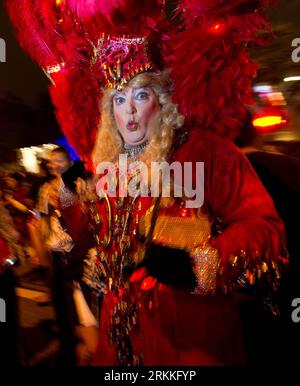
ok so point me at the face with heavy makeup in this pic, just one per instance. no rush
(137, 114)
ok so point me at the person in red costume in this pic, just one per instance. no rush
(171, 325)
(129, 80)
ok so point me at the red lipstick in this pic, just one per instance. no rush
(132, 126)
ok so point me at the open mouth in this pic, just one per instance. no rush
(132, 126)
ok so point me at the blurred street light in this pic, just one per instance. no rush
(291, 79)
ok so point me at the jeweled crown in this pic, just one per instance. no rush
(122, 58)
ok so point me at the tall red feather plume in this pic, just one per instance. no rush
(117, 16)
(32, 35)
(50, 37)
(76, 96)
(210, 65)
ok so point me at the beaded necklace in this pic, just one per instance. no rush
(115, 266)
(134, 151)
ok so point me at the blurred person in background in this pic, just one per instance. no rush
(62, 249)
(16, 198)
(36, 180)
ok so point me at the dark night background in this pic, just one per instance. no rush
(27, 116)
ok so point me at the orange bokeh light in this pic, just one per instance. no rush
(268, 121)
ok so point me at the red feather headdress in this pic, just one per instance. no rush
(204, 44)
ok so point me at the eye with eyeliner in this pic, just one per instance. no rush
(142, 95)
(119, 99)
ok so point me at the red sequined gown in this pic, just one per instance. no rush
(153, 323)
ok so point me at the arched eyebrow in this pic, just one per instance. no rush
(141, 89)
(145, 88)
(119, 93)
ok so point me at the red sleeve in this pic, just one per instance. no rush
(251, 233)
(237, 197)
